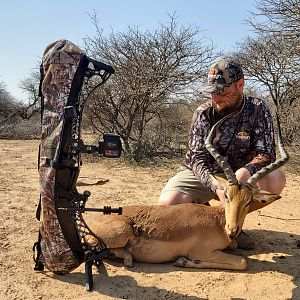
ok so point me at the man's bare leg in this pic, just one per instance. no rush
(174, 197)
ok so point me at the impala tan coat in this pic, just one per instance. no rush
(192, 234)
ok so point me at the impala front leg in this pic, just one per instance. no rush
(125, 255)
(216, 260)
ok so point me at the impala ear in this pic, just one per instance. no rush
(217, 181)
(265, 197)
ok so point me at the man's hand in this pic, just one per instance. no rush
(221, 195)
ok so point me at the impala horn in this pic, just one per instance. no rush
(276, 164)
(230, 175)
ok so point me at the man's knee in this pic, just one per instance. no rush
(274, 182)
(242, 174)
(174, 197)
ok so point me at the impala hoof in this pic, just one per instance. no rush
(129, 264)
(180, 262)
(243, 264)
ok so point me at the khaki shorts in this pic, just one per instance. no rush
(186, 182)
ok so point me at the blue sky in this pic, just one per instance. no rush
(27, 27)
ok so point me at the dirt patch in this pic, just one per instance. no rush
(273, 267)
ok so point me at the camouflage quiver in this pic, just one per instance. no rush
(67, 78)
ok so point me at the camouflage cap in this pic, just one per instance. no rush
(222, 74)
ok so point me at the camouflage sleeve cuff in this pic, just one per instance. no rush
(214, 184)
(258, 162)
(205, 178)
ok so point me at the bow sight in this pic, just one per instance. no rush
(110, 147)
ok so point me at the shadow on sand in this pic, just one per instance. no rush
(122, 287)
(283, 246)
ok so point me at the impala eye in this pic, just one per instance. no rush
(226, 197)
(248, 202)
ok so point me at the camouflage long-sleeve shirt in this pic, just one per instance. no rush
(245, 139)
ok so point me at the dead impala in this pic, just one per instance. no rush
(192, 235)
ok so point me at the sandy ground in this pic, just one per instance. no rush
(273, 267)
